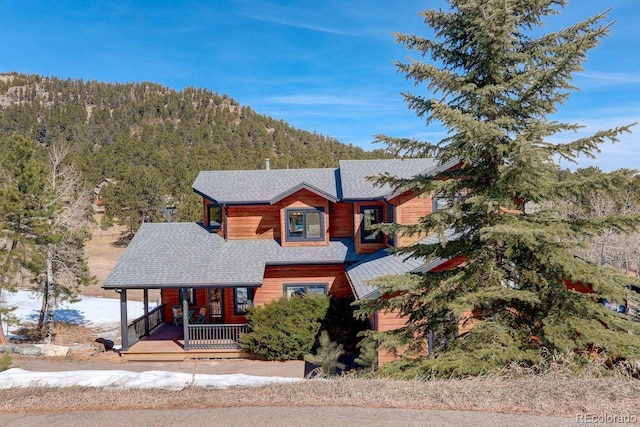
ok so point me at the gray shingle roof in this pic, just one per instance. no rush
(354, 174)
(349, 182)
(383, 263)
(264, 186)
(185, 254)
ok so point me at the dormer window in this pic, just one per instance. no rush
(214, 216)
(305, 224)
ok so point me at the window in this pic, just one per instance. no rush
(391, 238)
(304, 289)
(441, 202)
(370, 217)
(305, 224)
(214, 216)
(189, 294)
(243, 300)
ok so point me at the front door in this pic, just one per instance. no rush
(216, 305)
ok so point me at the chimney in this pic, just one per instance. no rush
(266, 166)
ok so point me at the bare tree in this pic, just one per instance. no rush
(68, 207)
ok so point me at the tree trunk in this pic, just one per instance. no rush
(48, 324)
(43, 307)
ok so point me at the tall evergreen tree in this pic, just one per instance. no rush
(22, 215)
(495, 82)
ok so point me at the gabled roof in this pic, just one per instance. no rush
(264, 186)
(166, 255)
(383, 263)
(348, 182)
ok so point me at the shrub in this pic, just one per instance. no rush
(5, 361)
(368, 357)
(327, 355)
(284, 329)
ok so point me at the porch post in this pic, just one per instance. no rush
(146, 310)
(124, 331)
(185, 318)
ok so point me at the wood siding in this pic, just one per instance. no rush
(341, 218)
(388, 321)
(253, 222)
(409, 209)
(304, 199)
(229, 315)
(276, 277)
(171, 297)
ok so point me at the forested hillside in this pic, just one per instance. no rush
(145, 134)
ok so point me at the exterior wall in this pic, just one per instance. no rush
(171, 297)
(409, 209)
(387, 321)
(229, 315)
(365, 248)
(303, 199)
(276, 277)
(253, 222)
(341, 216)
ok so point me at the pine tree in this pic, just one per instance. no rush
(22, 215)
(495, 81)
(327, 355)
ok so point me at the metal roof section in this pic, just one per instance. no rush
(264, 186)
(384, 263)
(354, 175)
(168, 255)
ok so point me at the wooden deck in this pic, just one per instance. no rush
(166, 343)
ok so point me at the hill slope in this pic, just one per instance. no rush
(114, 128)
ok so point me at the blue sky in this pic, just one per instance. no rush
(324, 66)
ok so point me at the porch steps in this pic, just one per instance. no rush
(178, 356)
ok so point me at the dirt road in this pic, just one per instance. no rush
(282, 417)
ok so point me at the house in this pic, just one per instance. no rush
(97, 201)
(266, 234)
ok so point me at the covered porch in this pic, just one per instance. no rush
(167, 342)
(211, 326)
(195, 270)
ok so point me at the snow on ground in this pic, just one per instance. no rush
(120, 380)
(99, 313)
(104, 314)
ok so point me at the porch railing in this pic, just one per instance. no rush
(205, 337)
(136, 328)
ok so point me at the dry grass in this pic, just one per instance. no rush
(103, 252)
(563, 396)
(62, 334)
